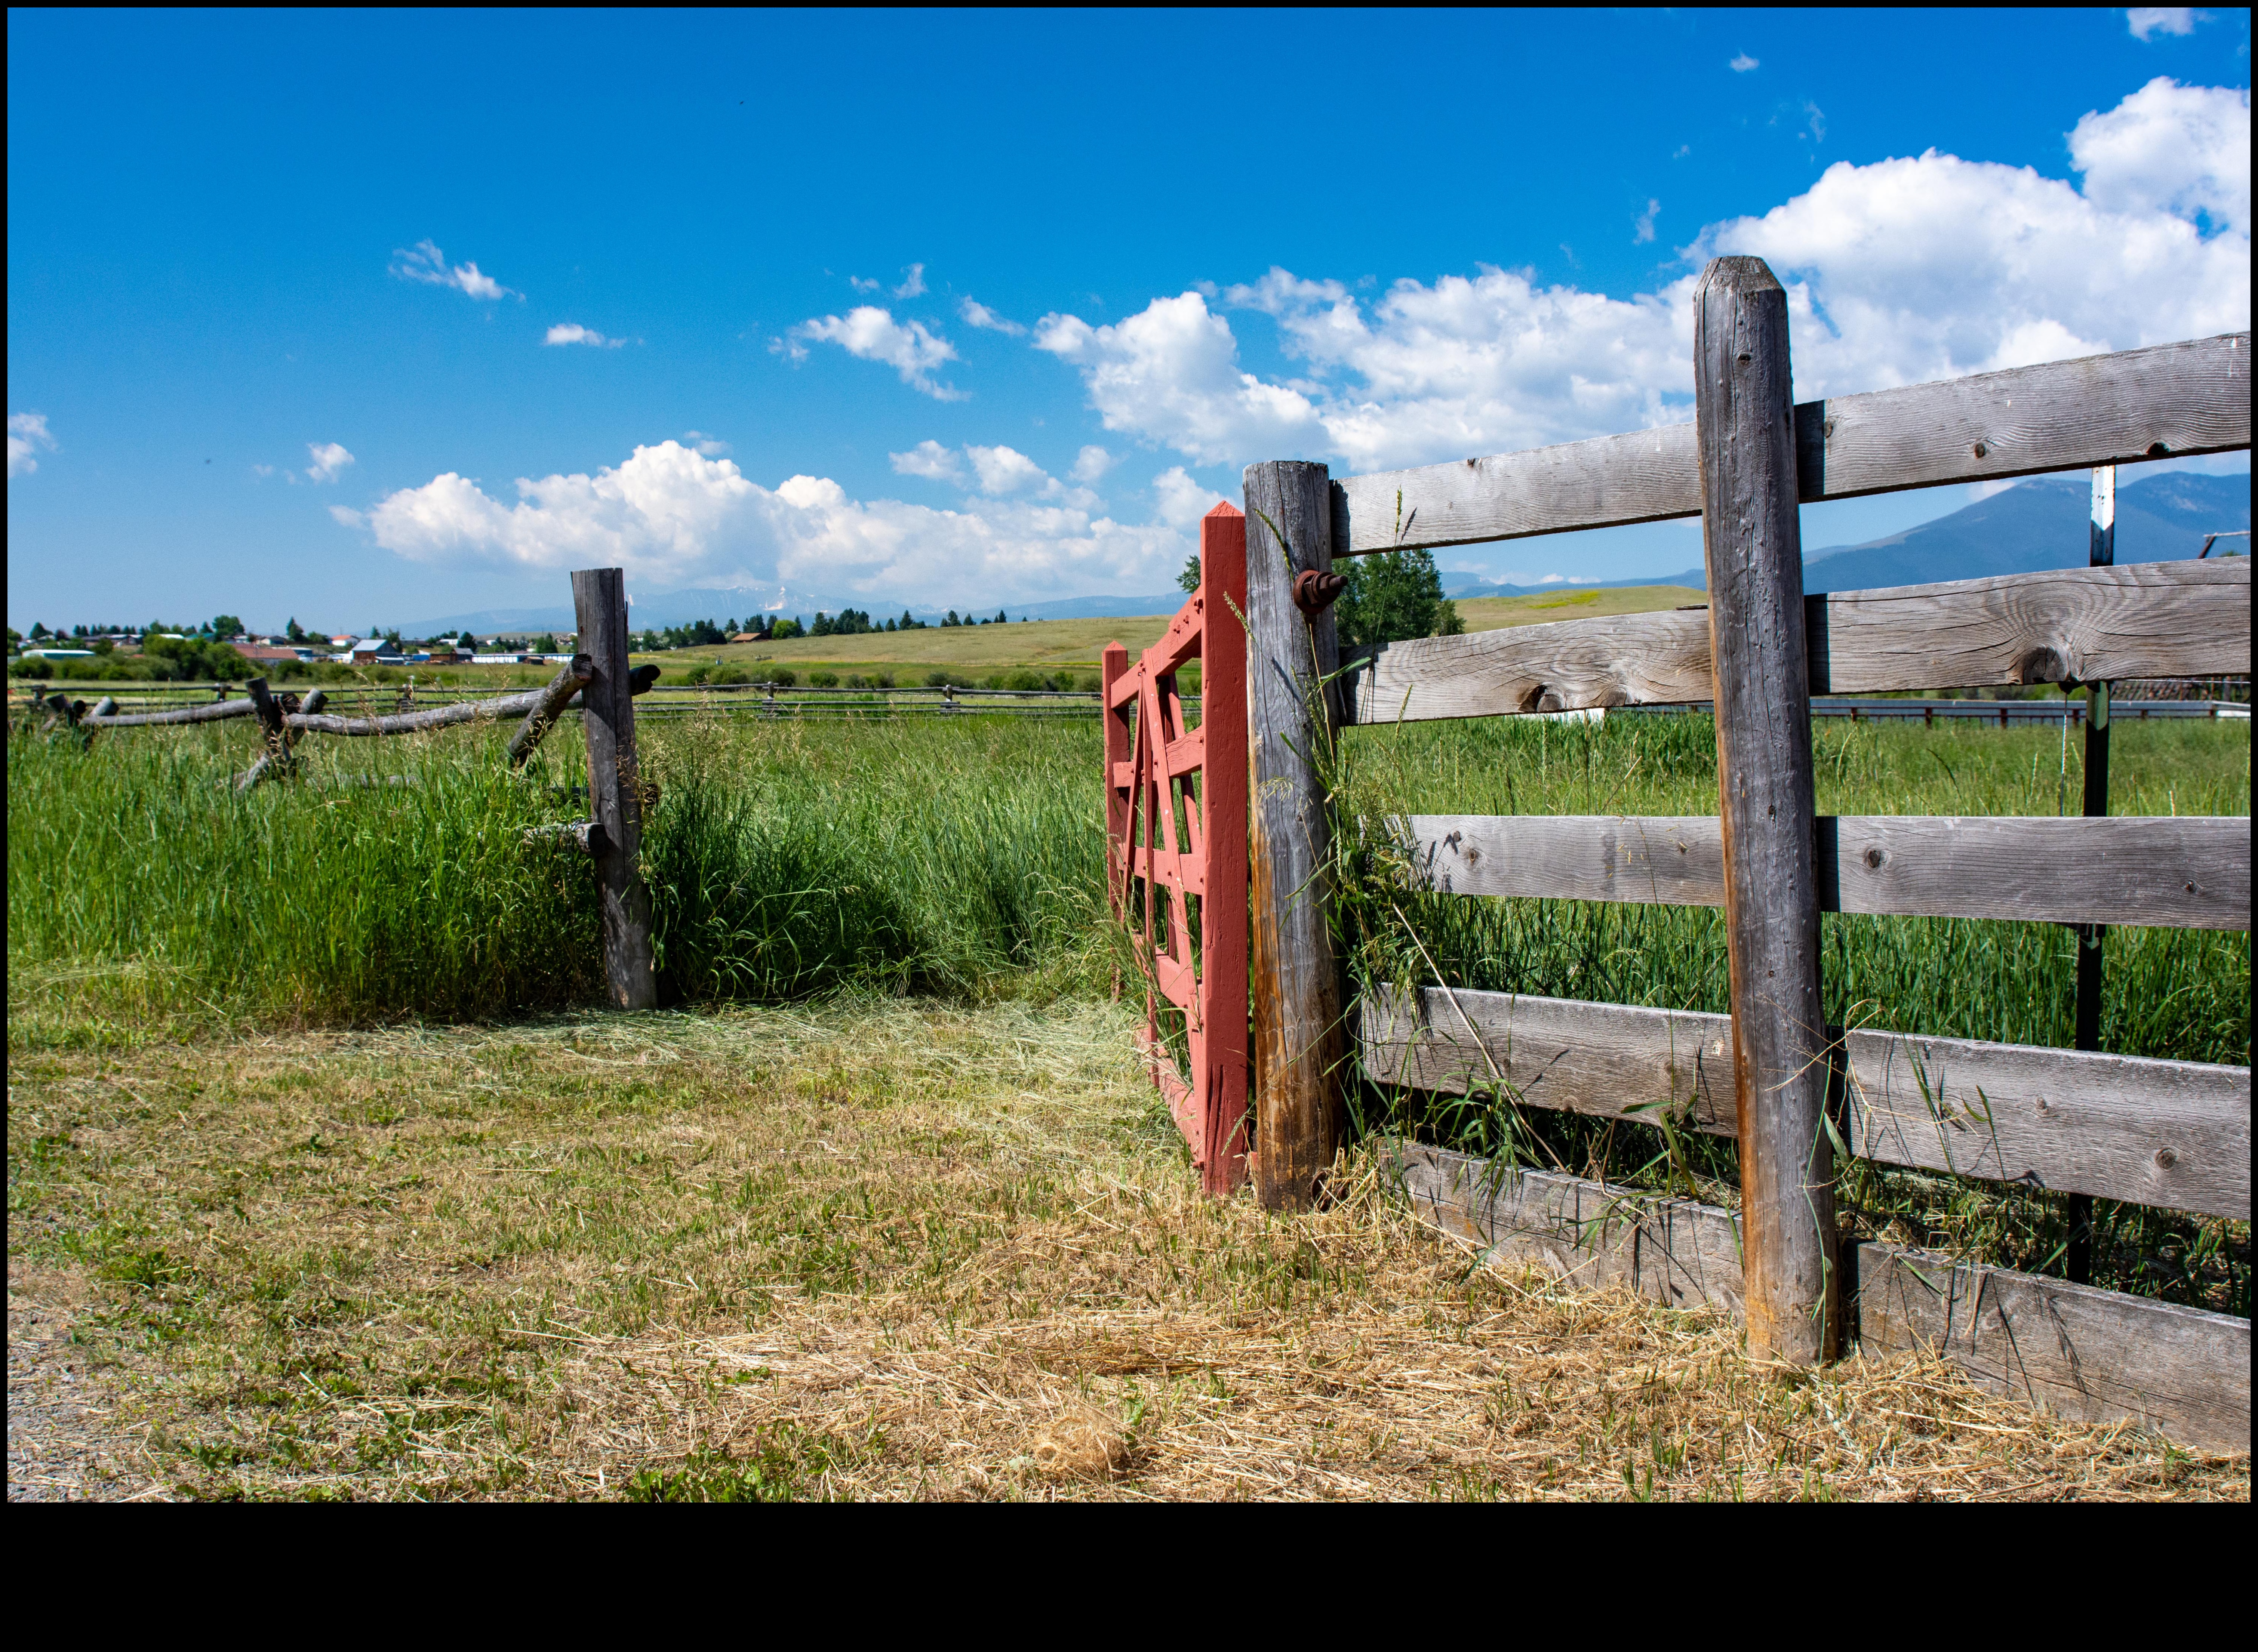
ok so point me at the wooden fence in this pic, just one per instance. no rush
(1773, 1075)
(598, 680)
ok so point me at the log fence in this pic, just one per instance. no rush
(1772, 1075)
(599, 682)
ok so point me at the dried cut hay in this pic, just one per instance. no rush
(882, 1251)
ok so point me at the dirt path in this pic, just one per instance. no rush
(65, 1442)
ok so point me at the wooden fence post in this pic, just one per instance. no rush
(1753, 549)
(599, 606)
(1300, 1040)
(2100, 552)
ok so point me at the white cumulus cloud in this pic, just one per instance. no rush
(930, 460)
(424, 262)
(1900, 271)
(1171, 373)
(1182, 501)
(27, 433)
(871, 334)
(1002, 469)
(672, 517)
(978, 314)
(1091, 463)
(2144, 21)
(1643, 231)
(1742, 63)
(2172, 149)
(330, 461)
(912, 282)
(711, 446)
(574, 333)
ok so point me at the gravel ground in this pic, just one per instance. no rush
(66, 1443)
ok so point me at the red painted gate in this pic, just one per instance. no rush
(1176, 822)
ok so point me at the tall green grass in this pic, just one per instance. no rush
(783, 860)
(2182, 994)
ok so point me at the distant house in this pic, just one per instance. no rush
(58, 654)
(372, 651)
(750, 637)
(267, 654)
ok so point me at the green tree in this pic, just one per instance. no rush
(227, 624)
(1394, 596)
(1189, 578)
(293, 632)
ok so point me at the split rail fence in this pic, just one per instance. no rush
(1773, 1075)
(598, 681)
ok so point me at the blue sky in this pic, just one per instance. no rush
(983, 309)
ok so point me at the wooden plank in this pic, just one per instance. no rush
(1584, 1233)
(1293, 976)
(1608, 1061)
(2161, 401)
(2172, 872)
(600, 605)
(587, 836)
(2174, 618)
(2175, 1134)
(2088, 1355)
(1219, 745)
(1753, 546)
(2072, 625)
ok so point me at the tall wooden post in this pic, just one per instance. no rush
(1753, 547)
(2100, 552)
(599, 606)
(1223, 839)
(1300, 1040)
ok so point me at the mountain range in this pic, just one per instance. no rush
(2039, 523)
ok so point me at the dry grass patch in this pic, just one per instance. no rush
(875, 1250)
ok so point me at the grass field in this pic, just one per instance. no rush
(328, 1179)
(871, 1249)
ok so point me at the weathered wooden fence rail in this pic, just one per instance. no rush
(1772, 1075)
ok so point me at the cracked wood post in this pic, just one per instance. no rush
(1301, 1047)
(1753, 549)
(616, 794)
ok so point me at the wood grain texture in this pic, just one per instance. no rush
(1294, 979)
(2174, 1134)
(1609, 1061)
(2089, 1355)
(2174, 618)
(2162, 401)
(1218, 745)
(1752, 547)
(2171, 872)
(1583, 1233)
(616, 788)
(2136, 404)
(2072, 625)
